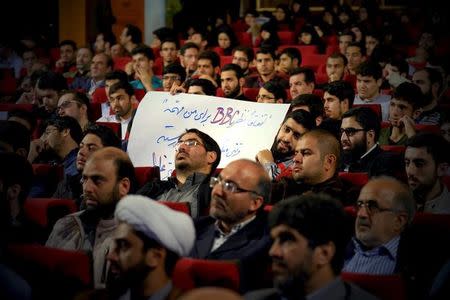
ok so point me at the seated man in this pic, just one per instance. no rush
(143, 59)
(243, 57)
(279, 159)
(315, 168)
(271, 92)
(236, 227)
(197, 156)
(75, 105)
(360, 130)
(404, 108)
(312, 104)
(426, 162)
(301, 81)
(232, 81)
(198, 86)
(107, 177)
(290, 58)
(309, 238)
(265, 65)
(384, 208)
(173, 74)
(155, 236)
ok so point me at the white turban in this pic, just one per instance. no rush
(172, 229)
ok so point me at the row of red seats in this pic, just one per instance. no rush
(188, 273)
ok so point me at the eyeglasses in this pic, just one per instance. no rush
(228, 186)
(372, 207)
(350, 131)
(243, 59)
(188, 143)
(173, 77)
(264, 97)
(65, 104)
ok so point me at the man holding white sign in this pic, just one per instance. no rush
(196, 157)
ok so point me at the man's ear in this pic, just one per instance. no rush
(417, 113)
(124, 186)
(256, 202)
(241, 82)
(345, 105)
(370, 134)
(379, 82)
(156, 256)
(330, 161)
(323, 254)
(211, 157)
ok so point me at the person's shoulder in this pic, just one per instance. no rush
(358, 293)
(263, 294)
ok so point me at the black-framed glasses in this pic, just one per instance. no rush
(171, 77)
(65, 104)
(189, 143)
(228, 186)
(372, 207)
(264, 97)
(350, 131)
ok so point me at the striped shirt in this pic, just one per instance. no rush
(377, 261)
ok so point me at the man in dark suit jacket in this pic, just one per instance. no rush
(360, 130)
(236, 228)
(309, 235)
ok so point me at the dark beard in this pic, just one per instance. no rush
(279, 156)
(118, 284)
(353, 155)
(293, 287)
(104, 211)
(234, 93)
(428, 98)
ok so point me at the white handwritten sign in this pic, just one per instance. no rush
(241, 128)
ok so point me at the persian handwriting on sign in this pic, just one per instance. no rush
(231, 151)
(197, 115)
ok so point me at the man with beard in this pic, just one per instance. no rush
(426, 162)
(197, 156)
(430, 82)
(107, 177)
(236, 228)
(278, 160)
(148, 242)
(266, 71)
(315, 168)
(360, 130)
(232, 80)
(121, 98)
(309, 236)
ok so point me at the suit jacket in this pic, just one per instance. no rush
(250, 246)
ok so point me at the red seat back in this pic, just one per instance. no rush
(99, 95)
(184, 207)
(46, 211)
(191, 273)
(304, 49)
(224, 60)
(121, 62)
(145, 174)
(383, 286)
(244, 38)
(116, 127)
(251, 93)
(139, 94)
(14, 106)
(357, 179)
(394, 148)
(286, 37)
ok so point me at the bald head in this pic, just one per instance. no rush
(327, 142)
(207, 293)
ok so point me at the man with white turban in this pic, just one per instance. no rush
(148, 241)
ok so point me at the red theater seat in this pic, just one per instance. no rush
(46, 211)
(388, 287)
(14, 106)
(375, 107)
(286, 37)
(192, 273)
(99, 95)
(251, 93)
(145, 174)
(121, 62)
(357, 179)
(184, 207)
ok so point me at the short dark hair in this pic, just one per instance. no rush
(401, 64)
(276, 89)
(108, 137)
(267, 50)
(247, 50)
(308, 72)
(435, 144)
(434, 76)
(126, 86)
(81, 99)
(211, 56)
(302, 117)
(410, 93)
(52, 81)
(209, 143)
(358, 45)
(15, 134)
(235, 68)
(24, 114)
(208, 87)
(314, 103)
(66, 122)
(68, 43)
(144, 50)
(369, 68)
(336, 55)
(366, 117)
(342, 90)
(347, 31)
(170, 39)
(164, 32)
(121, 75)
(319, 218)
(176, 68)
(188, 45)
(292, 53)
(135, 33)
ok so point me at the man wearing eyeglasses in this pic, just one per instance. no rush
(383, 210)
(360, 130)
(271, 92)
(197, 156)
(173, 74)
(243, 57)
(236, 227)
(75, 105)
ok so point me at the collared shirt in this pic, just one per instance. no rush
(115, 119)
(222, 237)
(440, 204)
(377, 261)
(162, 294)
(347, 166)
(187, 192)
